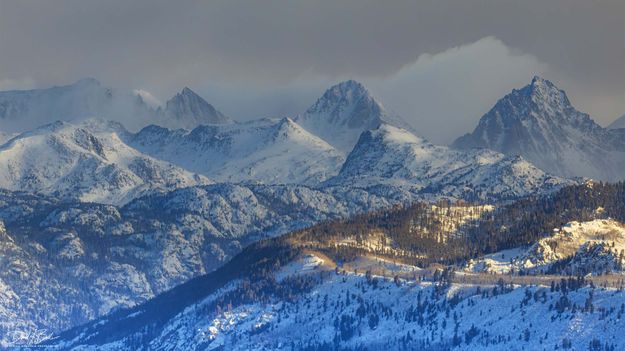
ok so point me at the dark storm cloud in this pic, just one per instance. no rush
(253, 46)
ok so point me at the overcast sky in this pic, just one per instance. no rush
(441, 64)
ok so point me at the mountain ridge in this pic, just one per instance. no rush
(343, 112)
(393, 156)
(21, 110)
(539, 123)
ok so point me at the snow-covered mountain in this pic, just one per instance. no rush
(618, 123)
(188, 110)
(100, 161)
(393, 157)
(269, 151)
(349, 311)
(98, 218)
(289, 299)
(24, 110)
(65, 263)
(539, 123)
(88, 161)
(343, 113)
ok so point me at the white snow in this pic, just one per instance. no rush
(270, 151)
(88, 161)
(393, 157)
(523, 318)
(593, 247)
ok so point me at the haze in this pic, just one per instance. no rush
(440, 64)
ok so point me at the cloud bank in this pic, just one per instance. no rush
(253, 49)
(442, 95)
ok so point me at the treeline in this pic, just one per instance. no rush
(525, 221)
(413, 233)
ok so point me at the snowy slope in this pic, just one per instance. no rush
(64, 263)
(269, 151)
(314, 308)
(67, 263)
(618, 123)
(539, 123)
(101, 162)
(596, 246)
(343, 113)
(394, 157)
(87, 161)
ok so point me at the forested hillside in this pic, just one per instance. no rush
(338, 275)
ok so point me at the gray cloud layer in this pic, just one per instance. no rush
(254, 49)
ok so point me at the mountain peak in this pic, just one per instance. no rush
(341, 96)
(350, 86)
(539, 123)
(343, 112)
(191, 110)
(544, 93)
(538, 80)
(188, 92)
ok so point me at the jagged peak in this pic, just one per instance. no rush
(188, 91)
(538, 80)
(544, 92)
(285, 127)
(350, 86)
(344, 93)
(188, 102)
(542, 85)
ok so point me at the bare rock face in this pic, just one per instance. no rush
(188, 110)
(343, 113)
(539, 123)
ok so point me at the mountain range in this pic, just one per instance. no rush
(100, 161)
(539, 123)
(22, 110)
(364, 283)
(96, 218)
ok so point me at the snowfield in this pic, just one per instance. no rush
(352, 311)
(393, 157)
(89, 162)
(593, 247)
(268, 151)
